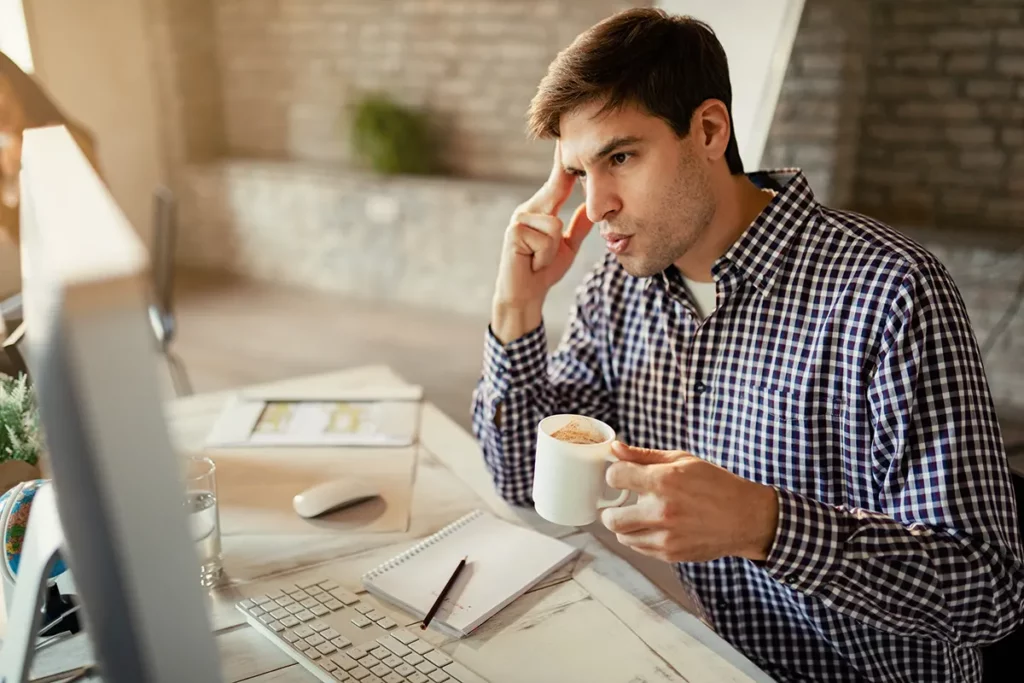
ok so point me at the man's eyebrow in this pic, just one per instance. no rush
(609, 148)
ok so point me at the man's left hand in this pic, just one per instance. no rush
(689, 510)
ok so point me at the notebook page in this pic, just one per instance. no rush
(503, 561)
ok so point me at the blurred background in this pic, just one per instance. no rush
(343, 170)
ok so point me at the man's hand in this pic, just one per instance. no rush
(536, 254)
(689, 510)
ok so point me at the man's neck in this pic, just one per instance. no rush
(737, 203)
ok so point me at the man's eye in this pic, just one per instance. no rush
(620, 158)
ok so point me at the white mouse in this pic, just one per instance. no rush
(332, 495)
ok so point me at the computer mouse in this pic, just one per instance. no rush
(332, 495)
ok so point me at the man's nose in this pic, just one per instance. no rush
(602, 201)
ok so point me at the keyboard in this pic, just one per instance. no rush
(339, 636)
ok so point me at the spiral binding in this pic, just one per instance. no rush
(419, 547)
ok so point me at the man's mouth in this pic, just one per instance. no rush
(617, 243)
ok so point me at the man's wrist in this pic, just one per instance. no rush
(512, 321)
(765, 524)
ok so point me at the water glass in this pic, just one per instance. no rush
(204, 518)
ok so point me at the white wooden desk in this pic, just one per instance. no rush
(597, 619)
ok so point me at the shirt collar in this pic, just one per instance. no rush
(759, 251)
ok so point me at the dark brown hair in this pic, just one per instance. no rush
(666, 64)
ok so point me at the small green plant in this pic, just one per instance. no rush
(20, 436)
(391, 138)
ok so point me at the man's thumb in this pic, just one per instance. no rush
(641, 456)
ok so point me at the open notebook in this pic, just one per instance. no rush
(503, 562)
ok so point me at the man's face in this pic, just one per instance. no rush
(648, 185)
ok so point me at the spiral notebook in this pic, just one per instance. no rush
(503, 562)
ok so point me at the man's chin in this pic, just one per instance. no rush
(637, 267)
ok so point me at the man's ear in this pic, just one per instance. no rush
(711, 129)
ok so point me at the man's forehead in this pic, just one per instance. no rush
(585, 131)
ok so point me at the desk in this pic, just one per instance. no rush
(597, 617)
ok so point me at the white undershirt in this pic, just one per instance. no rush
(703, 294)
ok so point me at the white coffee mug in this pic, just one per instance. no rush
(569, 478)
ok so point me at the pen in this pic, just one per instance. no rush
(443, 593)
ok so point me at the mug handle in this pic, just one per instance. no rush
(617, 501)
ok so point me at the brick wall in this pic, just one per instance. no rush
(943, 127)
(291, 68)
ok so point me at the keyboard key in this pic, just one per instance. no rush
(392, 661)
(359, 673)
(333, 605)
(386, 623)
(419, 647)
(413, 658)
(308, 603)
(320, 610)
(257, 611)
(374, 615)
(303, 632)
(363, 608)
(300, 645)
(341, 642)
(369, 661)
(328, 585)
(372, 679)
(279, 613)
(345, 662)
(439, 676)
(425, 667)
(356, 653)
(275, 626)
(361, 622)
(290, 621)
(284, 601)
(246, 604)
(393, 678)
(290, 636)
(261, 600)
(326, 648)
(319, 627)
(380, 653)
(436, 658)
(308, 583)
(403, 636)
(328, 633)
(460, 673)
(417, 677)
(266, 619)
(304, 615)
(342, 676)
(328, 665)
(404, 669)
(294, 608)
(315, 640)
(343, 595)
(393, 645)
(290, 589)
(380, 670)
(312, 653)
(274, 595)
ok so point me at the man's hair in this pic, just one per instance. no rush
(668, 65)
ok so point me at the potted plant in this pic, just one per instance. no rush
(21, 441)
(391, 138)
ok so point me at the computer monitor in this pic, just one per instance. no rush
(115, 508)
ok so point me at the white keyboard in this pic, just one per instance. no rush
(339, 636)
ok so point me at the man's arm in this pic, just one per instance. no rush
(943, 558)
(521, 385)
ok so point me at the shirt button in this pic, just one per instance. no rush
(700, 387)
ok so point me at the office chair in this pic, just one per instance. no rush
(161, 309)
(1003, 656)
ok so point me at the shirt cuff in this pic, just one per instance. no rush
(521, 363)
(808, 542)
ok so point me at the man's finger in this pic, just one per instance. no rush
(558, 186)
(549, 225)
(630, 477)
(535, 244)
(628, 519)
(643, 456)
(579, 228)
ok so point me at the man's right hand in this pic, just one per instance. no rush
(536, 254)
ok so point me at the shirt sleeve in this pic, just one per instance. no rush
(942, 556)
(521, 384)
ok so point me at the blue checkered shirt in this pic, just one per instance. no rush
(839, 367)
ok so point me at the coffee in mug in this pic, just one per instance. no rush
(573, 452)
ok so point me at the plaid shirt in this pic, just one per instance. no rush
(839, 367)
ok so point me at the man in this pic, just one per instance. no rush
(828, 472)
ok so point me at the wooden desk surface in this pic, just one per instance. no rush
(596, 619)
